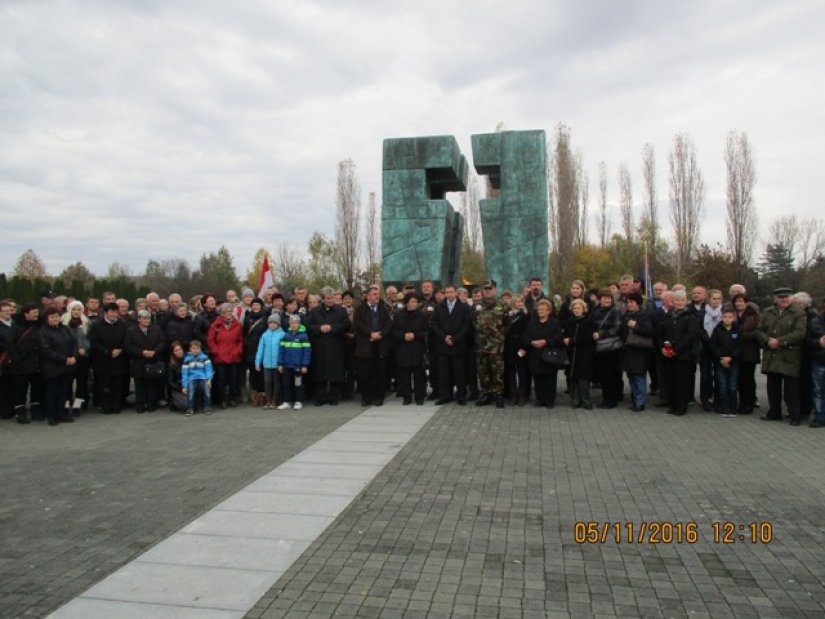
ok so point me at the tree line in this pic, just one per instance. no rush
(351, 257)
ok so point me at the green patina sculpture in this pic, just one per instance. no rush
(421, 232)
(514, 222)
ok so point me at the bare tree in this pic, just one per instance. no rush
(584, 196)
(348, 219)
(687, 199)
(626, 198)
(372, 239)
(603, 217)
(742, 222)
(30, 266)
(785, 231)
(811, 242)
(291, 269)
(565, 201)
(119, 270)
(649, 223)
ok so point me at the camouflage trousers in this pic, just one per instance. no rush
(491, 372)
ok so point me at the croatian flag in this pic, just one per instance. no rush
(266, 278)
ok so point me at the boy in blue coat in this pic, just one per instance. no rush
(266, 360)
(295, 358)
(196, 375)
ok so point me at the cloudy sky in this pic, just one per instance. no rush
(165, 128)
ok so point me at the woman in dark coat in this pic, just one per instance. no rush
(409, 333)
(180, 327)
(747, 319)
(636, 358)
(607, 323)
(516, 370)
(178, 400)
(577, 291)
(58, 352)
(254, 327)
(144, 346)
(543, 331)
(678, 333)
(578, 337)
(28, 383)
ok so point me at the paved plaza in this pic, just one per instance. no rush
(473, 515)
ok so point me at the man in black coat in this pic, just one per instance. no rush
(107, 337)
(326, 326)
(372, 323)
(450, 329)
(6, 379)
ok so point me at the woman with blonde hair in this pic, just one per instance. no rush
(78, 323)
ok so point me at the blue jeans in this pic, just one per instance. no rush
(818, 379)
(192, 390)
(638, 388)
(727, 387)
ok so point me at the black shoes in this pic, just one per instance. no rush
(767, 417)
(487, 399)
(441, 401)
(637, 409)
(407, 401)
(499, 402)
(816, 424)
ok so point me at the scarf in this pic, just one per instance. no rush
(712, 318)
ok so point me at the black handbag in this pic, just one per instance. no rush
(555, 357)
(639, 341)
(154, 370)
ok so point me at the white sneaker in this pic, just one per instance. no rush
(284, 406)
(298, 406)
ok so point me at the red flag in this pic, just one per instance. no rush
(266, 278)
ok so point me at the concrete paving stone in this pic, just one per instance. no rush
(276, 482)
(228, 552)
(285, 503)
(259, 525)
(311, 470)
(86, 608)
(202, 587)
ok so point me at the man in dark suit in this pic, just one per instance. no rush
(109, 360)
(372, 323)
(451, 327)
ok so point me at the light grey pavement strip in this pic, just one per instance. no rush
(219, 565)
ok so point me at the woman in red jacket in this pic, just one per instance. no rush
(225, 342)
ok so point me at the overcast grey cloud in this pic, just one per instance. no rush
(131, 131)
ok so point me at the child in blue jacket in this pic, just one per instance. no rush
(295, 357)
(196, 375)
(267, 358)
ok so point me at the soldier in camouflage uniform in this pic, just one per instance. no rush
(491, 320)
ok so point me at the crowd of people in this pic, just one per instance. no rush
(64, 356)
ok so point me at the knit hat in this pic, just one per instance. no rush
(247, 292)
(276, 317)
